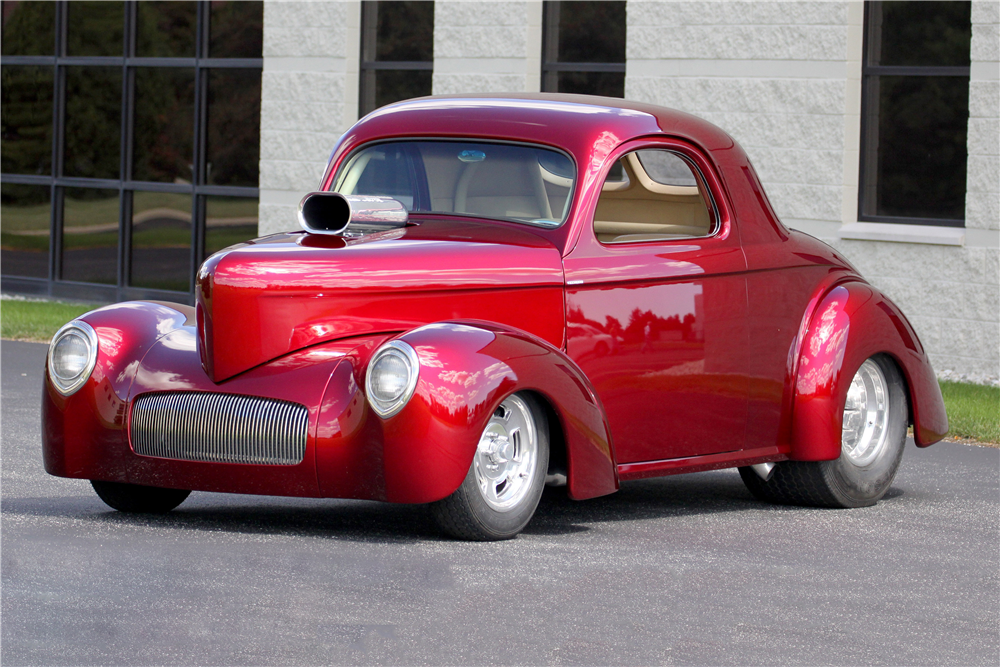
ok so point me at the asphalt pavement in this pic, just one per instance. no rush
(685, 570)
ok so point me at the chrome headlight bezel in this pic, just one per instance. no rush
(68, 386)
(408, 355)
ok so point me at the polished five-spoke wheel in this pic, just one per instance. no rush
(872, 439)
(866, 415)
(505, 481)
(505, 462)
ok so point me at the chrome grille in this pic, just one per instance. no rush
(219, 428)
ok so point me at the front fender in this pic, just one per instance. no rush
(77, 429)
(466, 370)
(853, 322)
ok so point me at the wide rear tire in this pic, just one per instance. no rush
(875, 418)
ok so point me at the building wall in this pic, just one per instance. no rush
(309, 98)
(487, 47)
(950, 288)
(773, 75)
(783, 78)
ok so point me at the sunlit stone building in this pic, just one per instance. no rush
(139, 138)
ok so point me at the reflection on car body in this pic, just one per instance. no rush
(491, 292)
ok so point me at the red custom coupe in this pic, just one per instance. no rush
(494, 293)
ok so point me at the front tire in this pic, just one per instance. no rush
(137, 499)
(505, 481)
(872, 439)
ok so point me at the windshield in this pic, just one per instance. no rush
(513, 182)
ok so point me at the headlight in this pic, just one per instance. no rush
(72, 355)
(391, 378)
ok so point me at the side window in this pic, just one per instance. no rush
(653, 195)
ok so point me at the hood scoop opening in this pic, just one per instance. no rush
(350, 215)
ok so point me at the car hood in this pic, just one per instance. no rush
(264, 299)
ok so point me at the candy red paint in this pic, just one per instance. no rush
(775, 324)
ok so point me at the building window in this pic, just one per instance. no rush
(397, 52)
(130, 143)
(583, 48)
(915, 112)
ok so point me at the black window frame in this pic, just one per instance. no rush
(198, 189)
(869, 116)
(369, 64)
(551, 65)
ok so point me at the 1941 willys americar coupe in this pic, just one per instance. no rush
(491, 294)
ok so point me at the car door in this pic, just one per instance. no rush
(656, 302)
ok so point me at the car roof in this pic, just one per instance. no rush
(587, 127)
(570, 122)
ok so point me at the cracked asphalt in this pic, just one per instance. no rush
(685, 570)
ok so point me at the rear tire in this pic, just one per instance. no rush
(872, 440)
(505, 481)
(137, 499)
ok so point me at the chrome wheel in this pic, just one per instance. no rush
(505, 461)
(866, 411)
(871, 447)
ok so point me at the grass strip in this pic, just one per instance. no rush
(37, 321)
(973, 411)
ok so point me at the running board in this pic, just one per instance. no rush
(743, 457)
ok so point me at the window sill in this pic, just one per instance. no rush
(896, 233)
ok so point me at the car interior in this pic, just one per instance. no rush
(653, 195)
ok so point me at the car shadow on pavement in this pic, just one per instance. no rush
(367, 521)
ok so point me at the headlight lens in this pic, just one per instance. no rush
(391, 378)
(72, 356)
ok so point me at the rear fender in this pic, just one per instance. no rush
(853, 322)
(466, 370)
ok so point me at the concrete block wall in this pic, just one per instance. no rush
(982, 200)
(309, 97)
(772, 74)
(952, 293)
(784, 78)
(487, 47)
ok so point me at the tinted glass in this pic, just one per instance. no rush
(95, 28)
(165, 29)
(26, 120)
(921, 143)
(164, 124)
(24, 230)
(667, 168)
(592, 32)
(522, 183)
(920, 33)
(90, 235)
(93, 121)
(236, 29)
(233, 137)
(393, 86)
(405, 31)
(228, 221)
(29, 29)
(608, 84)
(161, 241)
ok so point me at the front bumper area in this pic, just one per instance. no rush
(88, 434)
